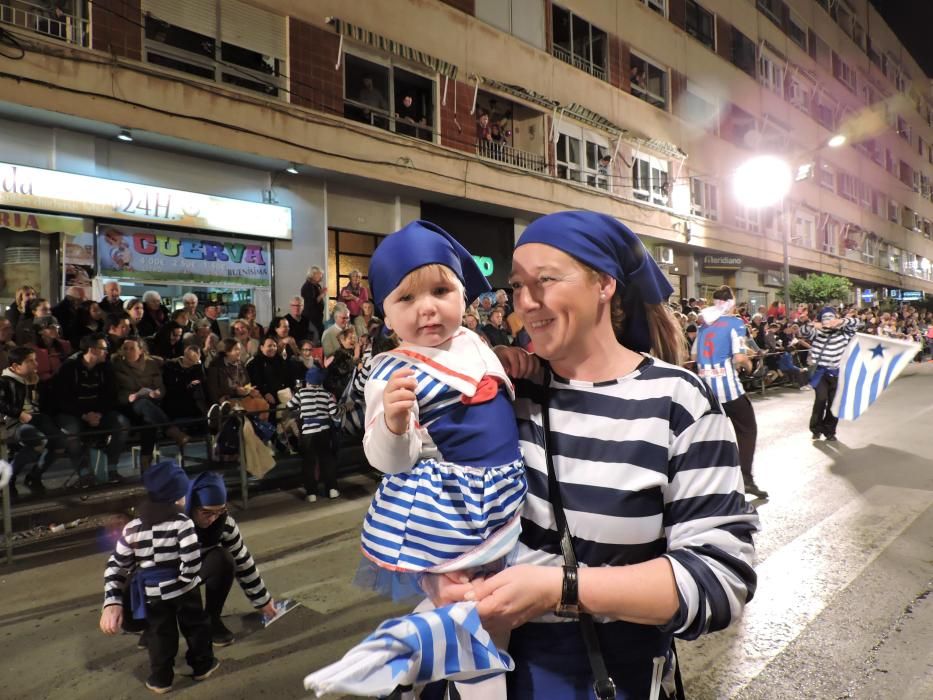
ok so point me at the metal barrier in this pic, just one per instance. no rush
(7, 512)
(691, 364)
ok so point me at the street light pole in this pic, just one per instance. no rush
(787, 229)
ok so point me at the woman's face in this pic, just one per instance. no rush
(136, 312)
(95, 312)
(153, 303)
(234, 354)
(281, 330)
(355, 278)
(43, 310)
(348, 341)
(240, 331)
(250, 313)
(269, 347)
(469, 320)
(495, 318)
(176, 335)
(193, 354)
(317, 276)
(557, 299)
(131, 350)
(367, 309)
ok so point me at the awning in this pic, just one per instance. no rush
(657, 145)
(521, 93)
(382, 43)
(592, 118)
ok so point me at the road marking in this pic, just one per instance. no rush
(796, 583)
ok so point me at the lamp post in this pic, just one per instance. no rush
(764, 181)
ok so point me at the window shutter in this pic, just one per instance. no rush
(195, 15)
(251, 28)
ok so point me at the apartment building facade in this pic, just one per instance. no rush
(337, 122)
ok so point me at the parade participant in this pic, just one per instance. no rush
(642, 458)
(438, 424)
(165, 581)
(828, 338)
(718, 349)
(316, 409)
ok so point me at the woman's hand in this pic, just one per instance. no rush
(516, 595)
(111, 619)
(398, 399)
(517, 362)
(444, 589)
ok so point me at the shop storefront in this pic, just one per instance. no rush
(142, 236)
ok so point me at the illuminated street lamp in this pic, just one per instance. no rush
(764, 181)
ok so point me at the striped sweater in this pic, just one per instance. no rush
(648, 467)
(172, 543)
(828, 346)
(315, 407)
(226, 534)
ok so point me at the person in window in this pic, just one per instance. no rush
(603, 169)
(637, 77)
(408, 115)
(371, 97)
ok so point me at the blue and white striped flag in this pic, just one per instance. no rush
(448, 642)
(868, 367)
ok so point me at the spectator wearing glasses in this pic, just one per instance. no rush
(341, 323)
(298, 326)
(87, 399)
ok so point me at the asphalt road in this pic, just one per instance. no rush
(843, 607)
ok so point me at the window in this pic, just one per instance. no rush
(509, 132)
(388, 96)
(846, 186)
(701, 25)
(659, 6)
(743, 52)
(65, 20)
(902, 81)
(869, 94)
(869, 248)
(739, 127)
(748, 218)
(804, 227)
(921, 144)
(894, 258)
(772, 9)
(649, 180)
(858, 34)
(797, 30)
(577, 42)
(799, 92)
(569, 156)
(903, 129)
(829, 235)
(698, 107)
(894, 212)
(873, 55)
(864, 193)
(820, 52)
(523, 19)
(843, 72)
(579, 156)
(771, 73)
(231, 43)
(648, 81)
(842, 13)
(826, 110)
(878, 204)
(827, 177)
(704, 199)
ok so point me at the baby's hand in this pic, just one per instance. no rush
(398, 399)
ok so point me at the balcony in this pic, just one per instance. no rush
(510, 133)
(61, 22)
(578, 62)
(511, 156)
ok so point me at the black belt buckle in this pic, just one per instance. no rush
(605, 690)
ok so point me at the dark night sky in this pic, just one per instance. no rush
(911, 21)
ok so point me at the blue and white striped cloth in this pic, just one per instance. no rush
(869, 365)
(448, 642)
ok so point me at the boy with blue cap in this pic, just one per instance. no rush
(164, 587)
(316, 409)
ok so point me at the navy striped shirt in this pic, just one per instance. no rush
(648, 467)
(828, 346)
(315, 407)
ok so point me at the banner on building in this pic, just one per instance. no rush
(150, 255)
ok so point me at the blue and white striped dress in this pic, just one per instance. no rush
(454, 483)
(648, 467)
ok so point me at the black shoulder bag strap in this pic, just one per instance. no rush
(603, 685)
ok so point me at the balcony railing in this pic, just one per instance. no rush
(51, 22)
(503, 153)
(578, 62)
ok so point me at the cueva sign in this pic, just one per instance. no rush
(150, 255)
(485, 265)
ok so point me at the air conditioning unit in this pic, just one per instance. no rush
(663, 255)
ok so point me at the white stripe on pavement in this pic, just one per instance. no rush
(796, 583)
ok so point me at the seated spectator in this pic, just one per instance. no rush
(471, 320)
(118, 329)
(502, 301)
(300, 365)
(268, 371)
(248, 314)
(279, 329)
(140, 390)
(167, 342)
(185, 384)
(203, 335)
(340, 365)
(51, 351)
(17, 309)
(155, 315)
(485, 307)
(36, 308)
(89, 320)
(6, 342)
(297, 323)
(182, 318)
(212, 313)
(24, 425)
(66, 311)
(135, 310)
(227, 379)
(190, 303)
(112, 303)
(367, 314)
(87, 401)
(341, 316)
(241, 334)
(354, 294)
(495, 330)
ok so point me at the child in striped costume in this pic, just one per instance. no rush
(440, 426)
(165, 579)
(316, 409)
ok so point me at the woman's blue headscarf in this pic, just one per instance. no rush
(207, 489)
(609, 246)
(418, 244)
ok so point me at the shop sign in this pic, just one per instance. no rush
(43, 223)
(722, 262)
(485, 265)
(151, 256)
(34, 188)
(908, 295)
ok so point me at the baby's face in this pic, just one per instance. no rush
(426, 308)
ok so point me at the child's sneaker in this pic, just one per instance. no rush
(158, 689)
(311, 498)
(333, 493)
(206, 674)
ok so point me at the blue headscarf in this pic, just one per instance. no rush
(827, 313)
(207, 489)
(314, 376)
(418, 244)
(609, 246)
(165, 481)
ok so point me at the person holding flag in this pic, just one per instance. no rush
(828, 338)
(718, 349)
